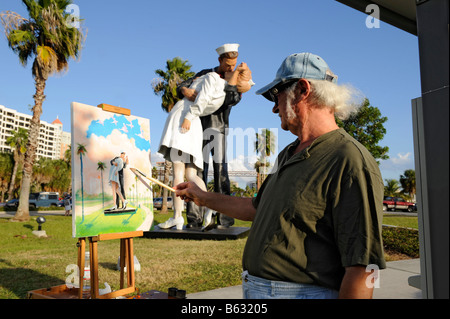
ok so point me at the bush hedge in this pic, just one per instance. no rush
(401, 240)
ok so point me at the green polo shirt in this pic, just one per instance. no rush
(320, 210)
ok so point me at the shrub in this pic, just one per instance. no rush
(401, 240)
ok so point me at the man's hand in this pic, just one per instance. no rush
(242, 67)
(236, 207)
(188, 93)
(186, 126)
(190, 192)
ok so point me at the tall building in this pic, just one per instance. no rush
(53, 141)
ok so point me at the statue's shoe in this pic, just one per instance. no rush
(173, 222)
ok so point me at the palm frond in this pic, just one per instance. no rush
(81, 149)
(12, 21)
(47, 30)
(177, 70)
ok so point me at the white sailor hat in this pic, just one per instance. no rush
(227, 47)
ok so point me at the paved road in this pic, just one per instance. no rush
(33, 213)
(401, 213)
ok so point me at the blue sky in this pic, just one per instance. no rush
(128, 41)
(131, 129)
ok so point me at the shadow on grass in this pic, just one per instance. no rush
(109, 265)
(31, 227)
(18, 281)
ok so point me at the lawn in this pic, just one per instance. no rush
(401, 221)
(28, 263)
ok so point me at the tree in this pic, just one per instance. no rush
(391, 188)
(101, 167)
(49, 38)
(177, 71)
(156, 189)
(210, 186)
(249, 192)
(17, 141)
(265, 145)
(259, 166)
(61, 178)
(81, 150)
(6, 165)
(165, 86)
(68, 154)
(68, 160)
(43, 173)
(408, 182)
(366, 126)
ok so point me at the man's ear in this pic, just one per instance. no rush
(305, 88)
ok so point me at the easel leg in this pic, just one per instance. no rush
(81, 252)
(94, 268)
(122, 262)
(126, 260)
(130, 262)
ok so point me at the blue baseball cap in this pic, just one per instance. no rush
(299, 66)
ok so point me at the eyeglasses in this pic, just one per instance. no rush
(277, 90)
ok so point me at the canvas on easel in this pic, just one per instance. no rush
(100, 140)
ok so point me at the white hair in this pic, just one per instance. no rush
(344, 99)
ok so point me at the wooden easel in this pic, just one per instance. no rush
(126, 248)
(126, 260)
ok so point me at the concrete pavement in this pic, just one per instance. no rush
(393, 284)
(6, 214)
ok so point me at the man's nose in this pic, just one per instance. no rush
(275, 108)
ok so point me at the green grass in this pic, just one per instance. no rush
(401, 221)
(28, 263)
(99, 223)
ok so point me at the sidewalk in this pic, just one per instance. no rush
(5, 214)
(393, 284)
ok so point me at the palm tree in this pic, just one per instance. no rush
(101, 167)
(165, 86)
(68, 154)
(6, 165)
(43, 173)
(68, 160)
(61, 176)
(408, 182)
(265, 144)
(18, 142)
(259, 166)
(81, 150)
(391, 188)
(47, 37)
